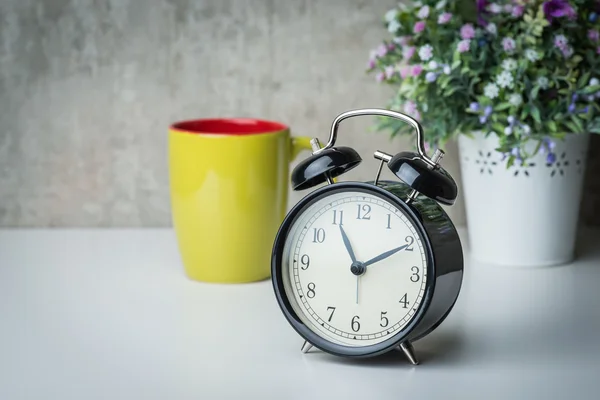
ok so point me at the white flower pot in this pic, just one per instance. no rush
(522, 216)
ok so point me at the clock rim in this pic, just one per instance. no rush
(285, 305)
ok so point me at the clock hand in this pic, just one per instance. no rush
(347, 244)
(385, 255)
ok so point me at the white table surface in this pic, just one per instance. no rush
(109, 314)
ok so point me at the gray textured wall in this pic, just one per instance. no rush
(88, 89)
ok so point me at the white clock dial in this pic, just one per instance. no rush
(331, 299)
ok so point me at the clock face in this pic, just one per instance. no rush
(354, 268)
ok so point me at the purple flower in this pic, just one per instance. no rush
(488, 110)
(444, 18)
(431, 76)
(419, 27)
(593, 35)
(482, 119)
(381, 50)
(404, 71)
(474, 106)
(558, 9)
(551, 158)
(463, 45)
(371, 64)
(408, 52)
(571, 107)
(402, 40)
(379, 76)
(417, 69)
(517, 11)
(467, 31)
(481, 11)
(515, 152)
(508, 44)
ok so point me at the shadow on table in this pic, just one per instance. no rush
(443, 347)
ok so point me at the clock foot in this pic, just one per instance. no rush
(409, 352)
(306, 347)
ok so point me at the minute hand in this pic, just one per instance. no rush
(385, 255)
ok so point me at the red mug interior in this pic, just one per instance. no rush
(229, 126)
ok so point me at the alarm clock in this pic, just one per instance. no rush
(362, 268)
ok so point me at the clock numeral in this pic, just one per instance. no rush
(409, 240)
(305, 260)
(311, 290)
(415, 276)
(332, 309)
(318, 235)
(355, 324)
(366, 209)
(404, 300)
(389, 221)
(384, 318)
(337, 213)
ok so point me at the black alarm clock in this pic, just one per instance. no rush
(361, 268)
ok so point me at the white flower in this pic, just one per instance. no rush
(560, 41)
(426, 52)
(542, 82)
(491, 28)
(432, 65)
(532, 55)
(447, 69)
(508, 130)
(495, 8)
(391, 15)
(505, 79)
(423, 12)
(594, 82)
(526, 129)
(491, 90)
(441, 4)
(515, 99)
(393, 26)
(509, 64)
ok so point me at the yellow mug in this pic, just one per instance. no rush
(229, 190)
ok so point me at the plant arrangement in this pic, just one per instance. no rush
(526, 71)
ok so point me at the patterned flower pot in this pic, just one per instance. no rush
(522, 216)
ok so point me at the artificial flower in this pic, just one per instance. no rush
(467, 31)
(426, 52)
(557, 9)
(419, 27)
(444, 18)
(491, 91)
(505, 79)
(463, 46)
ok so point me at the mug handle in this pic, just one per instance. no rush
(299, 143)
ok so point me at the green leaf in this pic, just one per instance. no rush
(591, 89)
(578, 123)
(511, 161)
(552, 126)
(455, 64)
(535, 113)
(534, 92)
(498, 127)
(502, 106)
(571, 126)
(583, 80)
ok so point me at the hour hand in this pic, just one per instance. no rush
(347, 244)
(385, 255)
